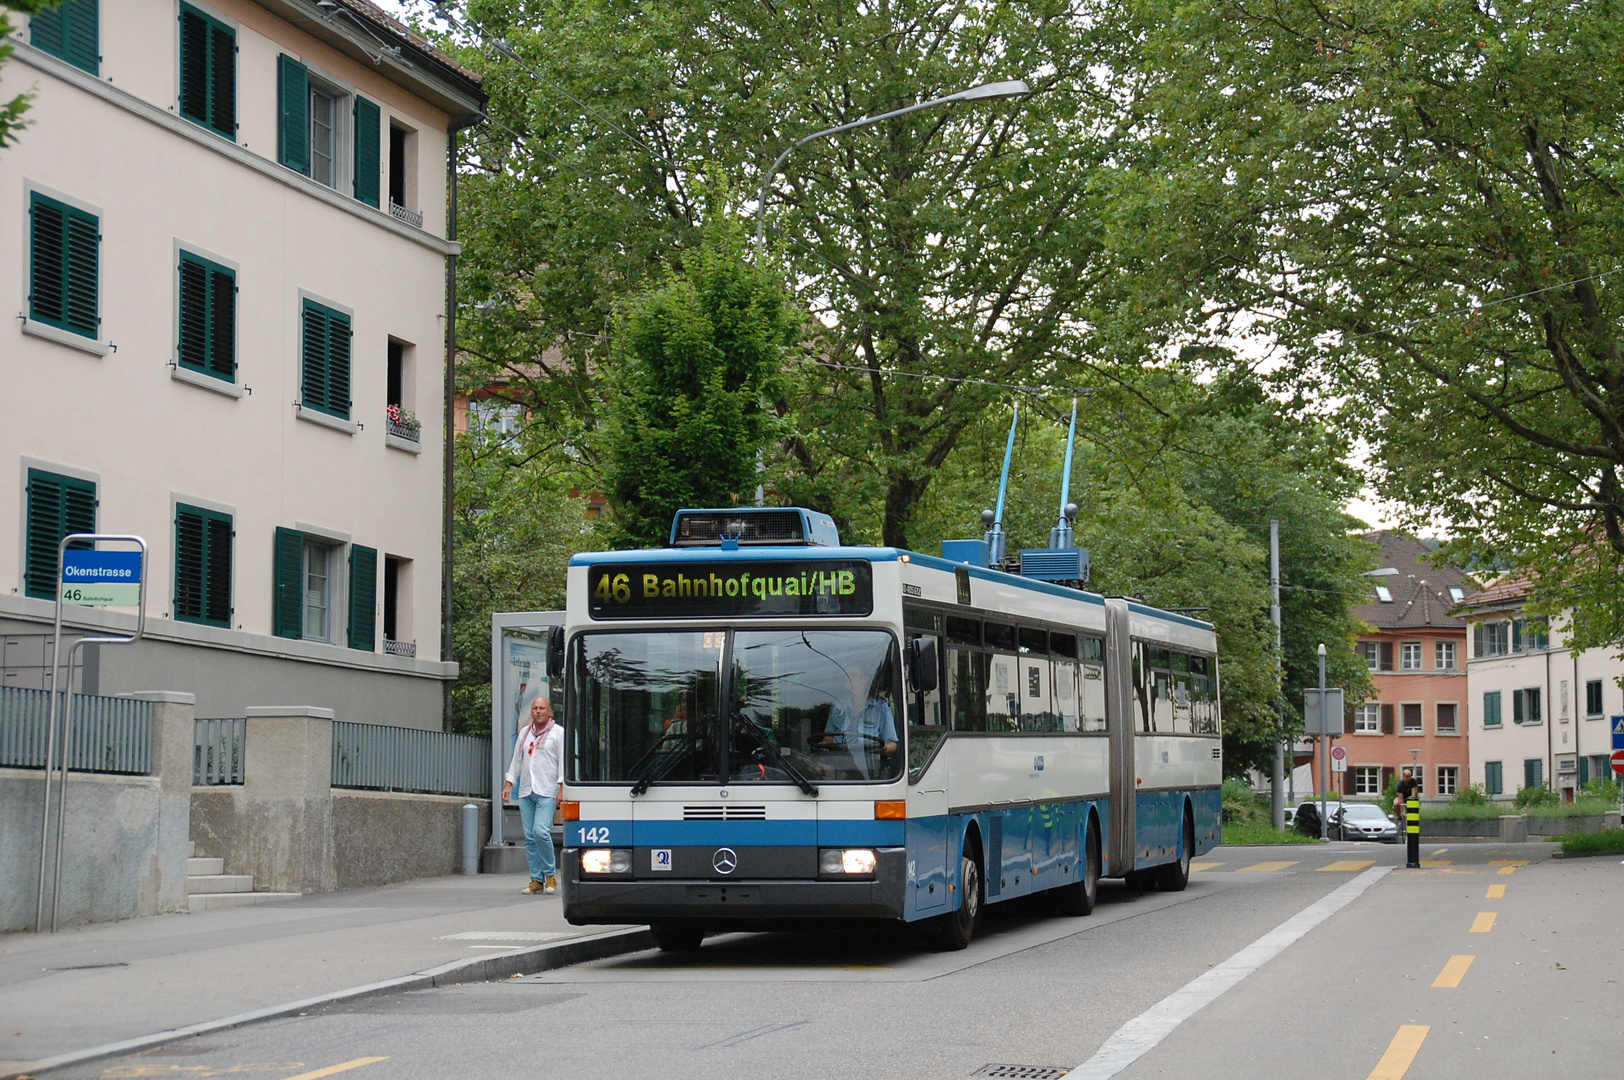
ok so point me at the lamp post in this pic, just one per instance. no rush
(1010, 88)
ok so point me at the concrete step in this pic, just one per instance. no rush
(219, 883)
(196, 867)
(191, 849)
(215, 901)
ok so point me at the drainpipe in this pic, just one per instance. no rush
(448, 522)
(1550, 725)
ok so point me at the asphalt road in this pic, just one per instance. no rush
(1364, 994)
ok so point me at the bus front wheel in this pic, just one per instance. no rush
(955, 929)
(677, 936)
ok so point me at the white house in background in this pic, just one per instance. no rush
(227, 236)
(1540, 713)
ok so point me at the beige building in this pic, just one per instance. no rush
(1541, 713)
(228, 253)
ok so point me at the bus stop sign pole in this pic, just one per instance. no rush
(86, 577)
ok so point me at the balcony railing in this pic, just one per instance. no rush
(403, 429)
(392, 647)
(400, 213)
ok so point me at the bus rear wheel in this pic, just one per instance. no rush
(1176, 875)
(1078, 898)
(677, 936)
(955, 930)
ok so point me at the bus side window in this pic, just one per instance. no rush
(1093, 698)
(1066, 697)
(1141, 688)
(967, 689)
(1003, 694)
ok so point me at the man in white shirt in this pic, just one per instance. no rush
(538, 768)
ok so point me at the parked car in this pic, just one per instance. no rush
(1291, 816)
(1362, 821)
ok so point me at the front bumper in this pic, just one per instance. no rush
(741, 900)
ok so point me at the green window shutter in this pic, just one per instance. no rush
(64, 264)
(293, 102)
(208, 317)
(287, 606)
(57, 506)
(368, 159)
(363, 597)
(71, 31)
(202, 566)
(208, 72)
(325, 380)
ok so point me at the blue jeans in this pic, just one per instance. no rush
(536, 812)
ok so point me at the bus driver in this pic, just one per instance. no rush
(868, 733)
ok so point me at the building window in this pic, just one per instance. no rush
(208, 318)
(1526, 706)
(325, 379)
(1447, 719)
(1448, 779)
(317, 591)
(1443, 655)
(57, 506)
(1593, 706)
(1533, 772)
(64, 257)
(70, 31)
(1410, 656)
(1491, 709)
(1491, 639)
(1412, 718)
(397, 605)
(403, 174)
(1367, 779)
(202, 566)
(1371, 653)
(1493, 781)
(208, 72)
(1367, 719)
(314, 117)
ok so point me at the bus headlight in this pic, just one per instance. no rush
(606, 861)
(847, 861)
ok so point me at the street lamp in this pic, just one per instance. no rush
(1010, 88)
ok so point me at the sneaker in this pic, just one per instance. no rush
(552, 884)
(532, 888)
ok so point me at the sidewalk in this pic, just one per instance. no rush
(89, 986)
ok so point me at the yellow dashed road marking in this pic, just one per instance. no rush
(1400, 1053)
(1508, 869)
(1483, 923)
(1265, 867)
(1346, 866)
(317, 1074)
(1196, 866)
(1496, 892)
(1454, 971)
(1437, 862)
(1508, 862)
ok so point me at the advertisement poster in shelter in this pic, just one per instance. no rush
(524, 679)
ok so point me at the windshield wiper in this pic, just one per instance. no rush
(658, 766)
(765, 739)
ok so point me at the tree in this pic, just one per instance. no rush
(693, 370)
(1422, 203)
(955, 243)
(11, 112)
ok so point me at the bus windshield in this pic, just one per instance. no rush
(645, 707)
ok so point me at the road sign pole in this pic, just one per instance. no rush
(1325, 750)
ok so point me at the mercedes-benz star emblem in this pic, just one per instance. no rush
(726, 860)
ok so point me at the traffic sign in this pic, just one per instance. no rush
(1326, 721)
(1618, 762)
(1339, 759)
(93, 578)
(1618, 733)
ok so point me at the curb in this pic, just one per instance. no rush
(1585, 854)
(478, 969)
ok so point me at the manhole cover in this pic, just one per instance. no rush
(1022, 1072)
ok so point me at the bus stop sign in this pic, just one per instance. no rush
(101, 578)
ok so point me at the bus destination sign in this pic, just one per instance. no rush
(776, 589)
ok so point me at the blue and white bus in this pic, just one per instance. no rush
(765, 725)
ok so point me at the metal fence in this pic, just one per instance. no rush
(383, 758)
(217, 751)
(110, 735)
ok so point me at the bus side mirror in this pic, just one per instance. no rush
(922, 665)
(555, 651)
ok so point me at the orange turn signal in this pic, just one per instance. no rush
(570, 811)
(891, 810)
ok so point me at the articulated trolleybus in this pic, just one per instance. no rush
(765, 726)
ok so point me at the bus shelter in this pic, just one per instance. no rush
(518, 676)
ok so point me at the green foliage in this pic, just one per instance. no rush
(11, 112)
(1601, 789)
(1470, 795)
(1530, 797)
(1261, 834)
(692, 372)
(1417, 204)
(1610, 841)
(1240, 803)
